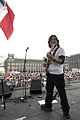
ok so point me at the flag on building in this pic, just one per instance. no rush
(6, 19)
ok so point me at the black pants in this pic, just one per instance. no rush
(58, 81)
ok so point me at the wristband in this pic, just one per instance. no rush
(54, 59)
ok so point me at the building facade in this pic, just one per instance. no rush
(32, 65)
(74, 62)
(15, 64)
(66, 63)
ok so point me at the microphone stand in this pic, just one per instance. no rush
(24, 98)
(24, 70)
(55, 95)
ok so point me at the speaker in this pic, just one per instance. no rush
(36, 87)
(7, 91)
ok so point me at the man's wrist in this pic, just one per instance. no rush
(54, 59)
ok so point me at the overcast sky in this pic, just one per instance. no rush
(35, 21)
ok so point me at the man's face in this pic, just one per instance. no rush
(53, 41)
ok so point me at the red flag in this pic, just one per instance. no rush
(6, 23)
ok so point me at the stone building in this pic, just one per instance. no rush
(33, 65)
(74, 62)
(16, 64)
(66, 64)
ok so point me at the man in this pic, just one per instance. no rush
(55, 77)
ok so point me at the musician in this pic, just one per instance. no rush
(55, 76)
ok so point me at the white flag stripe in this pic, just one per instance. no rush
(3, 11)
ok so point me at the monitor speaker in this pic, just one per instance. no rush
(7, 91)
(36, 87)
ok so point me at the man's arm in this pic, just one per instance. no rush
(59, 60)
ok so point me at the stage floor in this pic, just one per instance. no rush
(18, 109)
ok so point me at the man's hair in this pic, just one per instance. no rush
(50, 38)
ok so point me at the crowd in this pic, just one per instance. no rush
(72, 75)
(18, 80)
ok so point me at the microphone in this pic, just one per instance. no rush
(27, 48)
